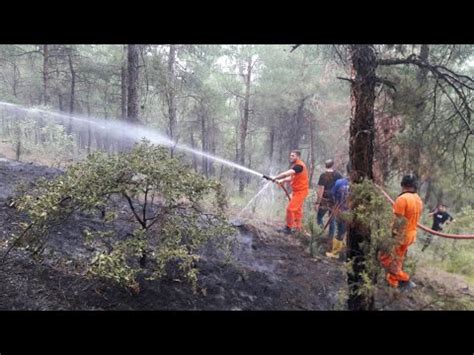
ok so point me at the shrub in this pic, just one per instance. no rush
(164, 201)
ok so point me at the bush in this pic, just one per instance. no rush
(163, 198)
(370, 210)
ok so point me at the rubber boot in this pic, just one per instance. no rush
(337, 246)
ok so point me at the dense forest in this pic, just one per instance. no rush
(388, 110)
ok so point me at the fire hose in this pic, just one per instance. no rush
(281, 185)
(429, 230)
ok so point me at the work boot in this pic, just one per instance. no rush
(337, 246)
(406, 285)
(286, 230)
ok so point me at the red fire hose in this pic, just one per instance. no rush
(429, 230)
(286, 191)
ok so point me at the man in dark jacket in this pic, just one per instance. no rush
(324, 200)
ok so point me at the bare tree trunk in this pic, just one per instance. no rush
(272, 144)
(312, 151)
(362, 134)
(39, 123)
(297, 127)
(193, 145)
(429, 190)
(72, 92)
(416, 145)
(123, 84)
(16, 77)
(170, 93)
(60, 102)
(244, 123)
(45, 74)
(203, 142)
(132, 101)
(236, 174)
(73, 84)
(212, 145)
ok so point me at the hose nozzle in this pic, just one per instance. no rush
(268, 178)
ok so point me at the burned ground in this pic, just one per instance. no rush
(266, 271)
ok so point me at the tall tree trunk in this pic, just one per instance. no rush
(123, 84)
(297, 127)
(429, 190)
(244, 123)
(362, 134)
(416, 144)
(89, 133)
(170, 92)
(193, 145)
(16, 77)
(272, 145)
(73, 84)
(236, 173)
(203, 141)
(60, 102)
(72, 92)
(39, 123)
(212, 145)
(45, 74)
(312, 151)
(132, 100)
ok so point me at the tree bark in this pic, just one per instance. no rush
(272, 144)
(244, 123)
(123, 86)
(73, 84)
(297, 127)
(45, 74)
(170, 92)
(72, 90)
(212, 145)
(193, 145)
(312, 151)
(132, 87)
(362, 134)
(416, 146)
(204, 142)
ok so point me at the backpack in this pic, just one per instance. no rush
(341, 195)
(330, 180)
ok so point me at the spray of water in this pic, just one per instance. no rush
(254, 198)
(120, 129)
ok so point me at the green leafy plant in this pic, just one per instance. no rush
(164, 200)
(374, 213)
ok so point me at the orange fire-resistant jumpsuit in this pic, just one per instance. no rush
(300, 189)
(408, 205)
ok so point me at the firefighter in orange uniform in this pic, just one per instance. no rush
(407, 212)
(297, 175)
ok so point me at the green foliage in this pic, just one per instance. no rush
(315, 232)
(370, 210)
(163, 197)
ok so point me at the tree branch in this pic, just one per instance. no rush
(143, 224)
(387, 83)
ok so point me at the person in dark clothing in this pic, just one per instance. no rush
(440, 217)
(340, 193)
(324, 200)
